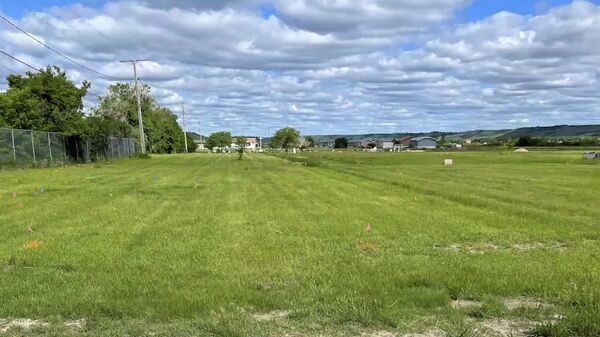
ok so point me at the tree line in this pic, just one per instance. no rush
(48, 101)
(285, 138)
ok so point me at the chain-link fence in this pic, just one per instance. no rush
(39, 148)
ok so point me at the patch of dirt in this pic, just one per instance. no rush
(529, 246)
(540, 245)
(491, 247)
(504, 328)
(428, 333)
(21, 324)
(526, 303)
(383, 333)
(464, 304)
(379, 334)
(272, 316)
(76, 325)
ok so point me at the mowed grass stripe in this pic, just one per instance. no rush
(185, 237)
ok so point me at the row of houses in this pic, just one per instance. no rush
(253, 144)
(388, 144)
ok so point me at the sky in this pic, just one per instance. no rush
(329, 66)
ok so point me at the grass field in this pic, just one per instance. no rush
(207, 245)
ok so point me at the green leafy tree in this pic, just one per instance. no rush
(309, 141)
(507, 146)
(192, 147)
(98, 129)
(241, 143)
(285, 138)
(163, 133)
(218, 139)
(44, 100)
(341, 143)
(442, 141)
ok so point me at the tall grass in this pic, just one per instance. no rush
(199, 244)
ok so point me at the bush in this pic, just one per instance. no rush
(313, 161)
(142, 156)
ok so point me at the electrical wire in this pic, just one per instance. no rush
(30, 66)
(91, 25)
(20, 61)
(57, 52)
(12, 71)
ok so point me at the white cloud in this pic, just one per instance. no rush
(334, 66)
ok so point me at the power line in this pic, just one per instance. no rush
(90, 24)
(57, 52)
(20, 61)
(63, 31)
(12, 71)
(30, 66)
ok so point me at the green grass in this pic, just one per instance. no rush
(195, 245)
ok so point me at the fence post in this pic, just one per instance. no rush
(12, 133)
(87, 145)
(64, 141)
(33, 147)
(112, 149)
(50, 147)
(77, 150)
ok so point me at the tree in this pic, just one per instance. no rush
(341, 143)
(286, 138)
(218, 139)
(241, 143)
(309, 141)
(44, 100)
(163, 134)
(98, 129)
(192, 147)
(442, 141)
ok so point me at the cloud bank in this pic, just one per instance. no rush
(333, 66)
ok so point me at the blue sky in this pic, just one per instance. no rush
(479, 9)
(331, 67)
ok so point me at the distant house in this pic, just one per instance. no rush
(367, 143)
(423, 143)
(387, 143)
(402, 143)
(252, 144)
(326, 144)
(200, 145)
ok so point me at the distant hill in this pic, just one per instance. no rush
(556, 131)
(537, 131)
(194, 135)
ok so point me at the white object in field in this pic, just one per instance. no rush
(591, 155)
(522, 150)
(448, 162)
(294, 150)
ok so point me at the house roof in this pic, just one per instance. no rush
(418, 139)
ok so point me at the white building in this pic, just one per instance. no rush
(252, 145)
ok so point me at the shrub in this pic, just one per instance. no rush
(313, 161)
(142, 156)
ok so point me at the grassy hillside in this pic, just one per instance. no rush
(556, 131)
(360, 244)
(538, 131)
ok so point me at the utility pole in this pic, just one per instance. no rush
(184, 131)
(139, 103)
